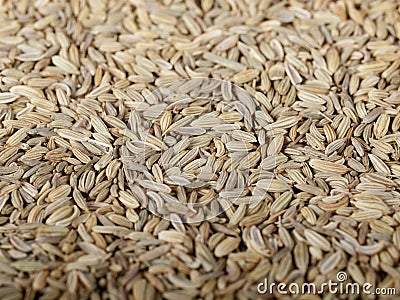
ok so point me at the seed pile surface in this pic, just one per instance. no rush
(291, 174)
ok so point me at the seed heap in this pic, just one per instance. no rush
(195, 151)
(78, 76)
